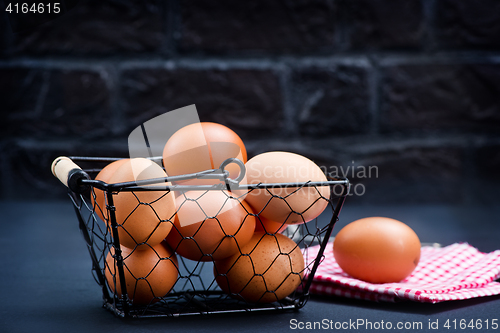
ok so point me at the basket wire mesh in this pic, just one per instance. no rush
(196, 290)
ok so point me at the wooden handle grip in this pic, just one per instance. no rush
(61, 168)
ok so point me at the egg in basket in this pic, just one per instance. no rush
(196, 227)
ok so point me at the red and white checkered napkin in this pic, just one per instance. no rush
(455, 272)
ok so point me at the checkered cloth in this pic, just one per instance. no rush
(455, 272)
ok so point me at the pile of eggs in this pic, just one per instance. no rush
(239, 231)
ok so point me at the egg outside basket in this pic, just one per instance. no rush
(196, 290)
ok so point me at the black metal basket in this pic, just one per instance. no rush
(196, 290)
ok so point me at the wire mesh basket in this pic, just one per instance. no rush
(171, 283)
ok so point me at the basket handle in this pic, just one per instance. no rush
(69, 173)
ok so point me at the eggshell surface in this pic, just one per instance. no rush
(271, 227)
(291, 205)
(210, 225)
(104, 175)
(377, 250)
(202, 146)
(143, 216)
(270, 269)
(149, 273)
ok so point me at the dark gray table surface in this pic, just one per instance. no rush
(47, 283)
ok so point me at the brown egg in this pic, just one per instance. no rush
(270, 269)
(202, 146)
(104, 175)
(149, 273)
(277, 203)
(143, 216)
(377, 250)
(271, 227)
(210, 225)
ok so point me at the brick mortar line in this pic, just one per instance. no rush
(171, 25)
(291, 123)
(438, 58)
(115, 98)
(250, 63)
(362, 60)
(369, 143)
(374, 85)
(429, 22)
(365, 144)
(66, 144)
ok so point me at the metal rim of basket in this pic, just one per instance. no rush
(121, 307)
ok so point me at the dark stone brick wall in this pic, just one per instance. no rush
(403, 97)
(464, 24)
(96, 27)
(277, 26)
(247, 100)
